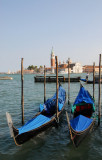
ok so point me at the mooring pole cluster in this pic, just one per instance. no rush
(99, 94)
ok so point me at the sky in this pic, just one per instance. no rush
(30, 28)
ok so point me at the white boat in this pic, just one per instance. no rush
(6, 78)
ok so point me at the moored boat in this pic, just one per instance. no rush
(90, 81)
(6, 78)
(45, 118)
(79, 128)
(82, 110)
(87, 81)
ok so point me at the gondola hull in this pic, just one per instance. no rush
(77, 137)
(22, 138)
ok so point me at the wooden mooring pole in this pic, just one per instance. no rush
(99, 100)
(93, 80)
(44, 84)
(22, 93)
(57, 90)
(68, 81)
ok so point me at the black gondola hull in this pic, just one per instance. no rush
(22, 138)
(77, 137)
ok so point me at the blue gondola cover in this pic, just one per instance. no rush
(83, 96)
(84, 80)
(50, 104)
(34, 123)
(50, 107)
(80, 123)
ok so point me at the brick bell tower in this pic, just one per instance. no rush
(52, 61)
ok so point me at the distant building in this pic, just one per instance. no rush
(89, 68)
(52, 61)
(63, 67)
(76, 68)
(26, 71)
(9, 72)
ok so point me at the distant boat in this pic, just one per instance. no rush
(82, 110)
(6, 78)
(52, 78)
(87, 81)
(90, 81)
(42, 120)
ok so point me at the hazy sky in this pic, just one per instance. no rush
(29, 29)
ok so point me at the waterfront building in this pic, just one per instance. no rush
(63, 67)
(89, 68)
(9, 72)
(74, 68)
(77, 68)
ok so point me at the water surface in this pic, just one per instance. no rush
(54, 143)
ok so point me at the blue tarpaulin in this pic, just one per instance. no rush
(50, 107)
(50, 104)
(80, 123)
(84, 80)
(34, 123)
(83, 96)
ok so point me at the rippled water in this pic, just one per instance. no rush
(52, 144)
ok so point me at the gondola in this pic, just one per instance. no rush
(82, 122)
(45, 118)
(87, 81)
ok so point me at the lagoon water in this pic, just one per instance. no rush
(52, 144)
